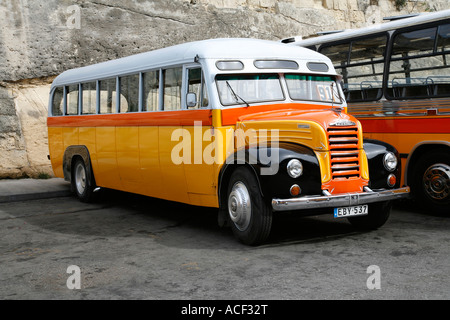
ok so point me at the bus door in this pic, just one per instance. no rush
(199, 165)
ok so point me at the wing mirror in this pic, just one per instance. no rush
(191, 100)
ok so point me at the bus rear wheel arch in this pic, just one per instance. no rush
(430, 183)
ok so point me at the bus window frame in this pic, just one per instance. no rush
(119, 80)
(162, 86)
(66, 93)
(141, 101)
(142, 96)
(52, 98)
(203, 87)
(99, 81)
(350, 42)
(239, 104)
(436, 25)
(81, 97)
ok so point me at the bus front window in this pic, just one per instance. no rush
(313, 88)
(239, 89)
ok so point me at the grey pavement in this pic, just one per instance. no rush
(132, 247)
(31, 189)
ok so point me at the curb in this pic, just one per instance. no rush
(33, 189)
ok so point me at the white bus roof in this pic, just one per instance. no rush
(382, 27)
(230, 48)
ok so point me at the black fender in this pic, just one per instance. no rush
(69, 154)
(378, 174)
(269, 163)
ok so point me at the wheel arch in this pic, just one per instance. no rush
(70, 154)
(225, 175)
(285, 152)
(418, 150)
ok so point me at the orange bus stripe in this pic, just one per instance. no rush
(418, 125)
(230, 116)
(162, 118)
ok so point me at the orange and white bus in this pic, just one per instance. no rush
(250, 127)
(396, 78)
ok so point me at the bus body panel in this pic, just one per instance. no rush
(149, 164)
(106, 168)
(56, 150)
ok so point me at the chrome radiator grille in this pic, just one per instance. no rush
(344, 153)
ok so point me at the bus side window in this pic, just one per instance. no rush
(72, 99)
(58, 102)
(441, 82)
(418, 65)
(151, 91)
(195, 85)
(89, 96)
(172, 79)
(361, 64)
(129, 93)
(108, 96)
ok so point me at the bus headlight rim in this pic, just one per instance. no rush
(390, 161)
(294, 168)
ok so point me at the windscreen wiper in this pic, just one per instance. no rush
(235, 94)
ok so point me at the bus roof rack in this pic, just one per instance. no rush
(393, 18)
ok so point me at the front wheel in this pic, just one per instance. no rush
(249, 216)
(378, 215)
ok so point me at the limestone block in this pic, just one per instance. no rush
(352, 5)
(31, 105)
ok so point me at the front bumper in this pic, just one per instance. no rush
(339, 200)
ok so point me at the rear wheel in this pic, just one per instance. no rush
(378, 215)
(431, 182)
(249, 215)
(82, 181)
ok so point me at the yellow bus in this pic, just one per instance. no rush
(396, 78)
(248, 126)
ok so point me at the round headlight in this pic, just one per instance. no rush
(295, 168)
(390, 161)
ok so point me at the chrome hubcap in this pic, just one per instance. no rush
(80, 178)
(436, 181)
(239, 206)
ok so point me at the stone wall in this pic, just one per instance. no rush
(40, 39)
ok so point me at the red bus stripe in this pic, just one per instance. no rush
(416, 125)
(163, 118)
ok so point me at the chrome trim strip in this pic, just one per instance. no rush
(340, 200)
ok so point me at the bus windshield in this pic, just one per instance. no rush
(248, 88)
(313, 88)
(240, 89)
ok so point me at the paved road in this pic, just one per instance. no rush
(132, 247)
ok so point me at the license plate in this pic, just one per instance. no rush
(345, 212)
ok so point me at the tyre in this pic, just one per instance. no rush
(431, 182)
(250, 217)
(378, 215)
(82, 181)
